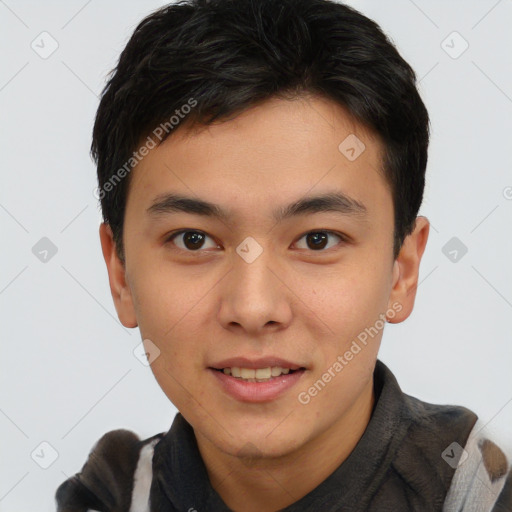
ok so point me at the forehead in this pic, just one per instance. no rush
(276, 149)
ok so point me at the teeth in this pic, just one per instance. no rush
(258, 375)
(247, 373)
(262, 373)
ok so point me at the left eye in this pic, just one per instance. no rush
(193, 240)
(318, 239)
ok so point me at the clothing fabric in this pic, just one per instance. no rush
(413, 456)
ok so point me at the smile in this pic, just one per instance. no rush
(248, 387)
(256, 375)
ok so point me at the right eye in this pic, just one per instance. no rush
(188, 240)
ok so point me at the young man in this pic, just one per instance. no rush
(261, 166)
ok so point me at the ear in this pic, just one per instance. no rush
(406, 270)
(119, 287)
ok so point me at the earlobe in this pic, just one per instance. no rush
(119, 287)
(406, 270)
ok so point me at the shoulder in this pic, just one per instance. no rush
(117, 472)
(422, 466)
(483, 476)
(450, 456)
(434, 427)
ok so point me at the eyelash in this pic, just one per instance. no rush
(175, 234)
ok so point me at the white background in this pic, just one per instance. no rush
(68, 373)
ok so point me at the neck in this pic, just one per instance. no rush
(273, 484)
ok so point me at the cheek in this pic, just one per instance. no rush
(159, 322)
(351, 295)
(347, 312)
(161, 297)
(168, 316)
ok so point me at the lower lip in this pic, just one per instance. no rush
(257, 391)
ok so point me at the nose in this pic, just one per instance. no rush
(255, 297)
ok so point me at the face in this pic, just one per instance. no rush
(266, 285)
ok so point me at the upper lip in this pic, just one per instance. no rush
(263, 362)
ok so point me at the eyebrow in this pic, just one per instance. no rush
(165, 204)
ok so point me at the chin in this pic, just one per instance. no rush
(253, 446)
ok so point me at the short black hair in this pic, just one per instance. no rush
(213, 59)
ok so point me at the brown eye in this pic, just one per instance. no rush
(318, 240)
(189, 240)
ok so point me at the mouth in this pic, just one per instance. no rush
(256, 381)
(270, 373)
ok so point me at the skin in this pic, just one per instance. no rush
(294, 301)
